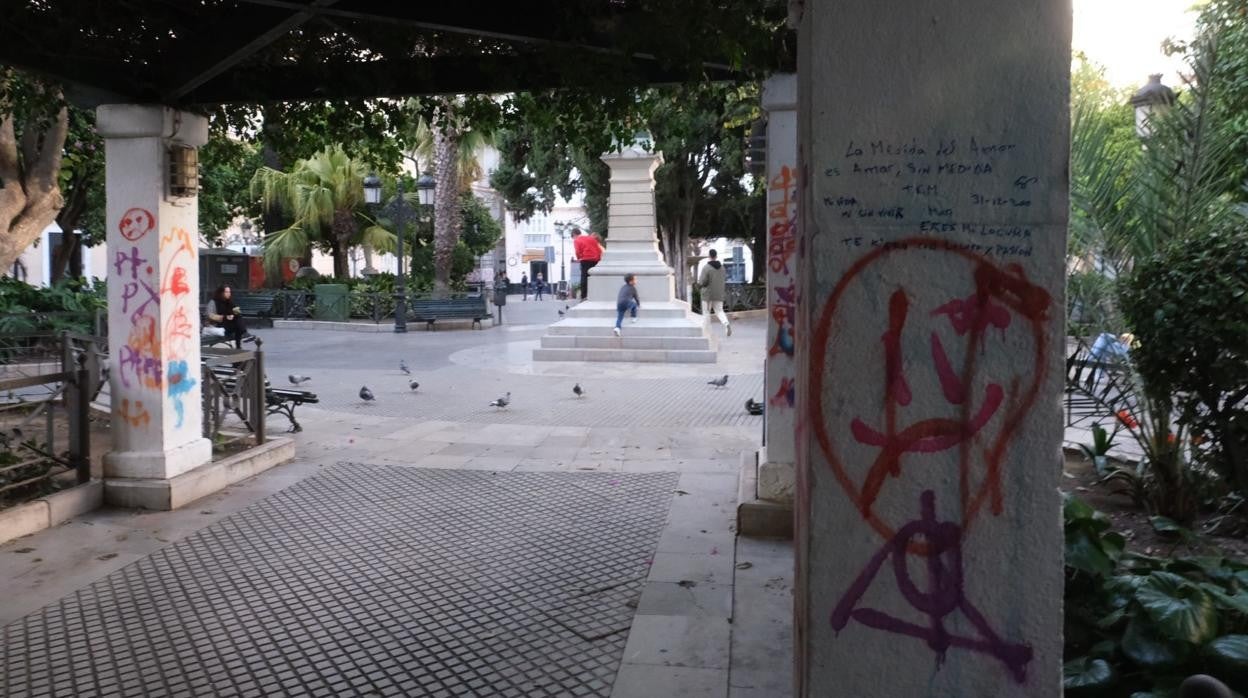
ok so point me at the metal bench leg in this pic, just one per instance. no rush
(287, 409)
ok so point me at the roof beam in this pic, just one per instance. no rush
(182, 86)
(440, 75)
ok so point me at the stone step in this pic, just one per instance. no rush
(609, 312)
(625, 342)
(671, 356)
(601, 327)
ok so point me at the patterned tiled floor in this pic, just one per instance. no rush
(367, 581)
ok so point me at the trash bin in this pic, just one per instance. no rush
(332, 303)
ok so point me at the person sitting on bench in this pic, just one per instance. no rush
(222, 312)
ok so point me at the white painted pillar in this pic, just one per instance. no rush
(776, 477)
(633, 244)
(153, 297)
(935, 141)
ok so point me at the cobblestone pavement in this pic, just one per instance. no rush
(428, 545)
(368, 581)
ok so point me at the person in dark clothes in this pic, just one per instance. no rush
(222, 312)
(524, 286)
(626, 301)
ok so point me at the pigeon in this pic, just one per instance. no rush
(567, 307)
(366, 395)
(413, 385)
(560, 313)
(296, 379)
(502, 401)
(719, 382)
(752, 407)
(578, 390)
(403, 367)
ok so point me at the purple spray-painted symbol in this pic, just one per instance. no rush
(944, 596)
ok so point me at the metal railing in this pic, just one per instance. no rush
(355, 305)
(28, 463)
(234, 385)
(739, 297)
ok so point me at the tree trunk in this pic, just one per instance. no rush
(342, 257)
(30, 195)
(446, 216)
(71, 247)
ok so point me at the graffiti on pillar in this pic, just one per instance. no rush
(786, 396)
(139, 359)
(782, 301)
(136, 416)
(177, 254)
(939, 383)
(136, 223)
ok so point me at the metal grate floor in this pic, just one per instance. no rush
(367, 581)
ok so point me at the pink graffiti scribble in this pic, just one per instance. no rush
(786, 395)
(945, 594)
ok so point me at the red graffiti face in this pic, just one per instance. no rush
(932, 386)
(135, 223)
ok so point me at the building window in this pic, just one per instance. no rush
(536, 240)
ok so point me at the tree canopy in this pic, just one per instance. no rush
(553, 143)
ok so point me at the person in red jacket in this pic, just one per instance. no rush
(588, 252)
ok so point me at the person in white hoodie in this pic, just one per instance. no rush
(711, 285)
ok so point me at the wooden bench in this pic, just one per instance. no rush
(281, 401)
(284, 401)
(430, 310)
(256, 307)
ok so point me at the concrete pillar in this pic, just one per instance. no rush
(153, 298)
(776, 478)
(932, 230)
(633, 246)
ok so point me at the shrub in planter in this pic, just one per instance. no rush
(1138, 625)
(1188, 307)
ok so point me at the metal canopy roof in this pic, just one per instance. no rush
(187, 52)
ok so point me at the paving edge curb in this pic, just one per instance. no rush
(363, 327)
(759, 518)
(49, 511)
(176, 492)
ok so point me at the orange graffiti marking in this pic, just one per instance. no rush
(136, 418)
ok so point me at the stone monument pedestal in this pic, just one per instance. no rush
(667, 330)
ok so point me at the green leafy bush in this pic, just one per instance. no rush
(69, 304)
(1188, 307)
(1138, 625)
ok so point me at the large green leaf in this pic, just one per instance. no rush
(1228, 659)
(1087, 676)
(1180, 609)
(1085, 552)
(1237, 602)
(1145, 646)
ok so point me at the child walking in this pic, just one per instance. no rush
(626, 301)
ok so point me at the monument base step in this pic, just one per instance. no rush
(670, 356)
(647, 327)
(551, 341)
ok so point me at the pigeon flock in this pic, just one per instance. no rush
(367, 397)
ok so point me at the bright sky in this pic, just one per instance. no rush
(1125, 36)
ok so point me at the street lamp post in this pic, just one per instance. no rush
(1151, 100)
(563, 256)
(399, 210)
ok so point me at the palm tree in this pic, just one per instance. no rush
(449, 147)
(324, 198)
